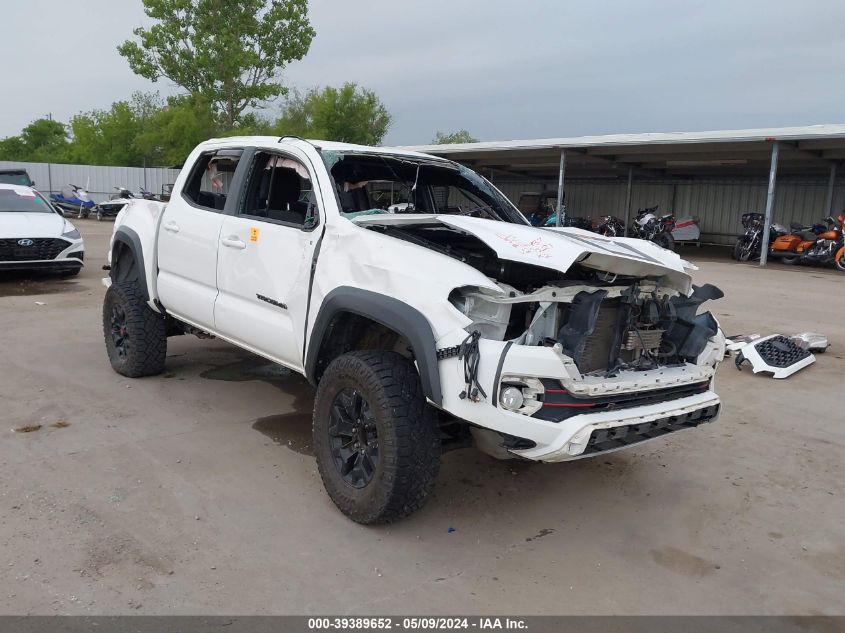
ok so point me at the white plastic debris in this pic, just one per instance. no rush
(811, 341)
(775, 354)
(735, 343)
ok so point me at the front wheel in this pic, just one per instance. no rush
(135, 336)
(839, 259)
(376, 440)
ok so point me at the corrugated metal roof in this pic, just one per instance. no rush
(832, 130)
(805, 151)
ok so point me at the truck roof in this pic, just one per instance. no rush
(332, 146)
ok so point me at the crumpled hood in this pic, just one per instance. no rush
(15, 224)
(559, 248)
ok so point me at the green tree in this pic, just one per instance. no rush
(461, 136)
(349, 113)
(176, 129)
(108, 137)
(228, 52)
(43, 140)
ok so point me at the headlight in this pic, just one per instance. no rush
(73, 234)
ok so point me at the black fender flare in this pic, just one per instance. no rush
(129, 238)
(390, 313)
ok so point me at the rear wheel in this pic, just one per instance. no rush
(666, 241)
(790, 261)
(135, 336)
(376, 440)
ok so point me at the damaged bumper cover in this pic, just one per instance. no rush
(566, 415)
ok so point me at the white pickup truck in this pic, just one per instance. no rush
(422, 305)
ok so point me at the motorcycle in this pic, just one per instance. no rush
(73, 199)
(747, 246)
(570, 221)
(648, 226)
(821, 245)
(608, 225)
(789, 247)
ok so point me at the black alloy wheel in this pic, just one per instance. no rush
(119, 333)
(353, 438)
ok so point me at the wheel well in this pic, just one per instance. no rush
(123, 266)
(349, 332)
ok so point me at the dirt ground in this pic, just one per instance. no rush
(195, 492)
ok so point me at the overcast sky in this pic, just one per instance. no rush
(501, 69)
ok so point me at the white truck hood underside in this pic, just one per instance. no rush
(557, 248)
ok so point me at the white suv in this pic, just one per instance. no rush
(420, 302)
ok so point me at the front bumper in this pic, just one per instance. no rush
(50, 264)
(70, 257)
(646, 405)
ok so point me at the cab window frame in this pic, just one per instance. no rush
(204, 159)
(254, 158)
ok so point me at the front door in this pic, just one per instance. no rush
(264, 261)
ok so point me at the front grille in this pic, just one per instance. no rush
(621, 436)
(780, 351)
(559, 404)
(41, 248)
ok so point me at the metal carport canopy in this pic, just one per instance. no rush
(810, 152)
(804, 151)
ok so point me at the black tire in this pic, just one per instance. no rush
(790, 261)
(666, 241)
(840, 263)
(135, 335)
(737, 250)
(402, 432)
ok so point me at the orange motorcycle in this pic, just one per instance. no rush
(818, 244)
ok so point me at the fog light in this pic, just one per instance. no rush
(511, 398)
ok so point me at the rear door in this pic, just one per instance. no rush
(265, 253)
(189, 235)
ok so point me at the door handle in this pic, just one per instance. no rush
(172, 227)
(233, 242)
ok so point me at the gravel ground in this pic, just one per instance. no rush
(195, 492)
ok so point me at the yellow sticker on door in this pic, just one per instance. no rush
(253, 234)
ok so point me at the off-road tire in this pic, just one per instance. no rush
(407, 435)
(145, 341)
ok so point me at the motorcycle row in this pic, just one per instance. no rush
(74, 200)
(662, 229)
(819, 244)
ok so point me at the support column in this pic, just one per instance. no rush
(628, 199)
(770, 205)
(559, 221)
(828, 204)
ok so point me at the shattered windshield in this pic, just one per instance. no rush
(378, 183)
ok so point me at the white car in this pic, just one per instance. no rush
(34, 235)
(420, 302)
